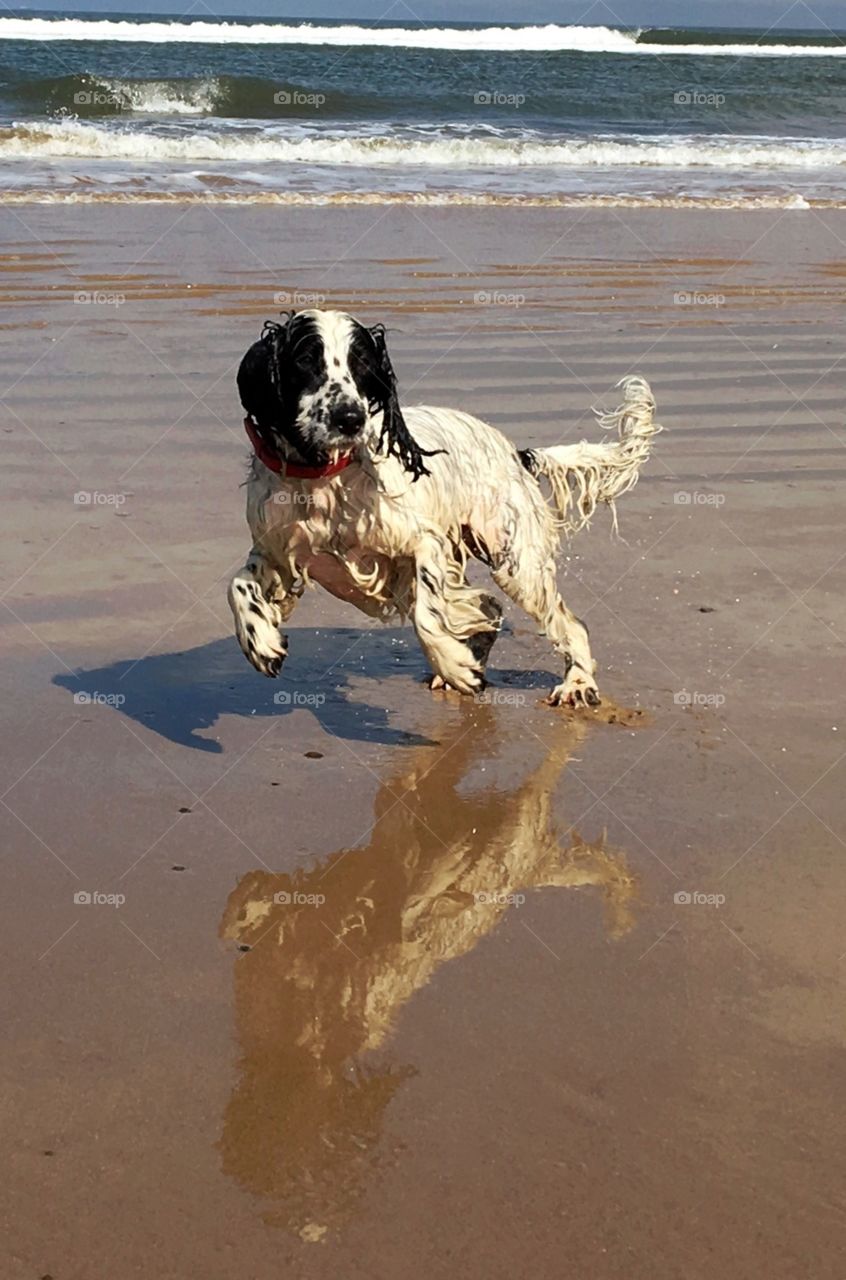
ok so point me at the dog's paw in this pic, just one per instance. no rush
(469, 680)
(438, 685)
(257, 628)
(578, 690)
(263, 646)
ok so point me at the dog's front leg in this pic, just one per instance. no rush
(260, 603)
(455, 623)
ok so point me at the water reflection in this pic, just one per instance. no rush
(333, 954)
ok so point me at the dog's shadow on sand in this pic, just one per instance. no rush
(178, 695)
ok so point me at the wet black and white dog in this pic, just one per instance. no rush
(383, 506)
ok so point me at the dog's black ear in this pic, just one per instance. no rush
(395, 438)
(261, 377)
(275, 338)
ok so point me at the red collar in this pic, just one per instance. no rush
(296, 470)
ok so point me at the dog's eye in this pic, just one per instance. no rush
(303, 356)
(360, 369)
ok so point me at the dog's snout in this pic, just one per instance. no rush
(347, 417)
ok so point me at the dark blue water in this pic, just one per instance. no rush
(145, 106)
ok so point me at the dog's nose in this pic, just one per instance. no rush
(347, 417)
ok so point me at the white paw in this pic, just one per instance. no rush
(257, 628)
(577, 690)
(463, 678)
(438, 685)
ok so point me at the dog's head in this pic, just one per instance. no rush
(319, 382)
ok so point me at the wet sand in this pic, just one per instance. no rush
(400, 984)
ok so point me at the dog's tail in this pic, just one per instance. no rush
(583, 475)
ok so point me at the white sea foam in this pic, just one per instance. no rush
(70, 138)
(160, 97)
(426, 199)
(535, 39)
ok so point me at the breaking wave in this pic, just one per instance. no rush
(531, 39)
(70, 138)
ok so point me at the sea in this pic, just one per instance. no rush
(123, 107)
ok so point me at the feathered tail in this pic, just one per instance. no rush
(583, 475)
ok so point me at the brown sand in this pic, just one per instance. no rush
(431, 1060)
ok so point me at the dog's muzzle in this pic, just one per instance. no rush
(347, 417)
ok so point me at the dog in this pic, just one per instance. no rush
(384, 506)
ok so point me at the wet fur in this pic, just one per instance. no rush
(430, 487)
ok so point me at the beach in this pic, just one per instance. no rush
(369, 980)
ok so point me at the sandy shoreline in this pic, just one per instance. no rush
(598, 1082)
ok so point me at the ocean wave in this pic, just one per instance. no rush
(73, 139)
(232, 96)
(495, 39)
(160, 97)
(93, 95)
(532, 39)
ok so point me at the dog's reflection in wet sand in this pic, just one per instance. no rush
(331, 956)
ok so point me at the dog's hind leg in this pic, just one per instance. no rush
(527, 575)
(260, 602)
(456, 624)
